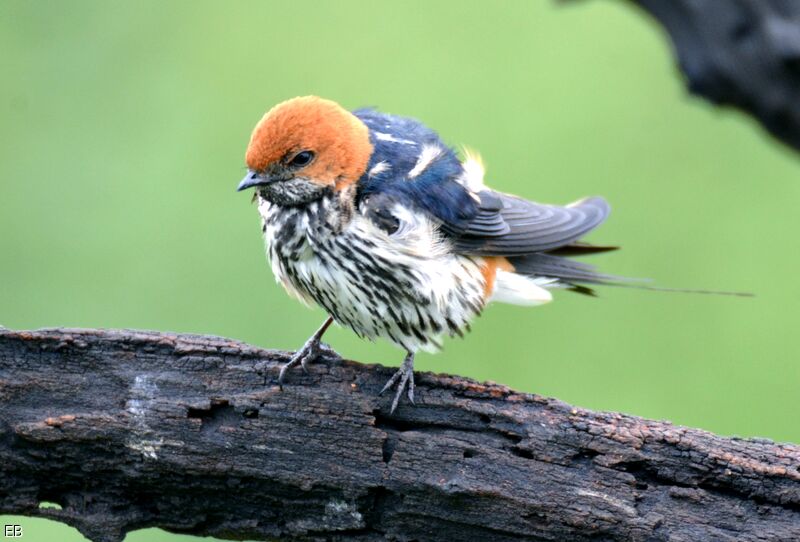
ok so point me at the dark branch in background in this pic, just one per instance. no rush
(742, 53)
(127, 430)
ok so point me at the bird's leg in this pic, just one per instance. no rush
(405, 375)
(306, 354)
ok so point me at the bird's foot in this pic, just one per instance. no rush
(404, 378)
(310, 351)
(313, 349)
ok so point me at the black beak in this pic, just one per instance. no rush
(252, 179)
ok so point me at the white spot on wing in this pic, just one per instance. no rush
(472, 178)
(428, 154)
(390, 138)
(379, 168)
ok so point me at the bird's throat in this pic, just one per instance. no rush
(294, 192)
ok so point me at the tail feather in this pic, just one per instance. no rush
(576, 275)
(679, 290)
(566, 270)
(579, 248)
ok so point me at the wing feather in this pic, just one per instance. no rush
(506, 225)
(476, 221)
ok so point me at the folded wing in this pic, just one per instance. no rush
(506, 225)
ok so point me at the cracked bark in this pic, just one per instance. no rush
(741, 53)
(129, 429)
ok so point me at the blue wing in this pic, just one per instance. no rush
(398, 142)
(480, 223)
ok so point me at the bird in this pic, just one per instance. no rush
(372, 217)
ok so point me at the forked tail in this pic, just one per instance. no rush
(579, 276)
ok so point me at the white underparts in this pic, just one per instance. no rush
(407, 286)
(520, 290)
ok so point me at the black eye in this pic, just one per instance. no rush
(302, 158)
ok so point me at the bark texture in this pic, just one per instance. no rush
(129, 429)
(742, 53)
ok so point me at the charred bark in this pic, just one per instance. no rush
(740, 53)
(129, 429)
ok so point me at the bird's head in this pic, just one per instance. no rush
(304, 148)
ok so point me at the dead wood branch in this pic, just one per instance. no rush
(741, 53)
(130, 429)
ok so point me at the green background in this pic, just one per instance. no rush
(122, 133)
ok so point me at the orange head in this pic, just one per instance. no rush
(309, 140)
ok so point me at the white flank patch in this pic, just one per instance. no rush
(390, 138)
(428, 154)
(417, 234)
(474, 171)
(379, 168)
(519, 290)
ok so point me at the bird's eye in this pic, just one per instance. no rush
(302, 158)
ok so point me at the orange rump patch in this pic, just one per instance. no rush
(489, 269)
(338, 138)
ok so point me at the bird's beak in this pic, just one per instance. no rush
(253, 179)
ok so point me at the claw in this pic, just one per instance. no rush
(304, 361)
(405, 374)
(302, 357)
(308, 353)
(391, 381)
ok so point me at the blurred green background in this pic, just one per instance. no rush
(122, 133)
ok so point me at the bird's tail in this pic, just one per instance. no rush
(580, 277)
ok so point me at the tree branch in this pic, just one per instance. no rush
(129, 429)
(742, 53)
